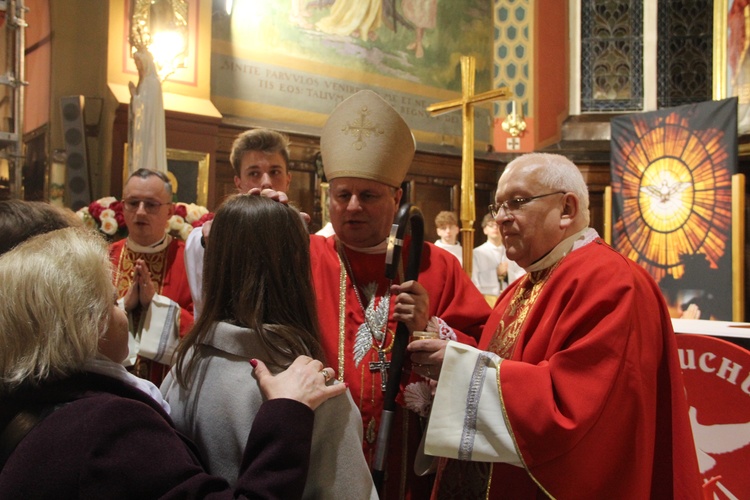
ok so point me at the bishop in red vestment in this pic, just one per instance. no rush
(575, 390)
(444, 280)
(366, 149)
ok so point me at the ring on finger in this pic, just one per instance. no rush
(326, 374)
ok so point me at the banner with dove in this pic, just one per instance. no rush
(671, 174)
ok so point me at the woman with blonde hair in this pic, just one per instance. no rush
(66, 404)
(259, 303)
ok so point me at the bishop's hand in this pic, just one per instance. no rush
(427, 357)
(412, 305)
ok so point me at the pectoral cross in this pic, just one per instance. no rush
(382, 366)
(466, 104)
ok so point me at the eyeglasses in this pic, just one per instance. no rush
(151, 207)
(513, 205)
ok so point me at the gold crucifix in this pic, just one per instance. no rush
(466, 104)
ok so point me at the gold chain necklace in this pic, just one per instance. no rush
(381, 330)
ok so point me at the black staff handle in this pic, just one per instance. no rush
(408, 215)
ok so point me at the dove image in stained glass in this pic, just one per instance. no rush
(665, 191)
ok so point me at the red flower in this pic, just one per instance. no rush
(120, 218)
(116, 206)
(205, 218)
(95, 210)
(180, 210)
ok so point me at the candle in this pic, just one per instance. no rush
(57, 179)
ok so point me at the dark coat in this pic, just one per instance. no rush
(113, 441)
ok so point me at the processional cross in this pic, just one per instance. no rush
(466, 104)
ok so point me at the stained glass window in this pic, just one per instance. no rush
(612, 71)
(611, 55)
(685, 29)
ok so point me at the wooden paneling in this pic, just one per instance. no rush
(434, 178)
(597, 177)
(434, 181)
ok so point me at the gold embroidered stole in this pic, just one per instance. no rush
(504, 340)
(157, 266)
(156, 263)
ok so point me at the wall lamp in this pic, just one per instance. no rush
(161, 27)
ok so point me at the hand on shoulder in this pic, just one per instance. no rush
(304, 381)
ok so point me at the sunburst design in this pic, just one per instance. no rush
(672, 190)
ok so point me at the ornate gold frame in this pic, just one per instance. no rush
(721, 66)
(738, 247)
(720, 50)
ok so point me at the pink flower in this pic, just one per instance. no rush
(116, 206)
(88, 221)
(185, 231)
(107, 213)
(120, 218)
(418, 398)
(195, 212)
(107, 201)
(176, 222)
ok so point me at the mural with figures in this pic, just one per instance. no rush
(293, 61)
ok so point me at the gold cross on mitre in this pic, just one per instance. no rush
(362, 129)
(466, 104)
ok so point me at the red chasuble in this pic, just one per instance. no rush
(453, 298)
(592, 366)
(170, 280)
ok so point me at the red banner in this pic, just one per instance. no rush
(717, 383)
